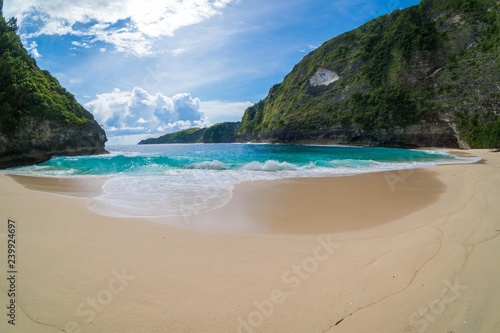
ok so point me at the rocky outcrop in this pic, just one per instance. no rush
(323, 77)
(425, 135)
(39, 140)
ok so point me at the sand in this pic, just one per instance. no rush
(409, 251)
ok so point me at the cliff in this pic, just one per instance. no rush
(424, 76)
(38, 118)
(218, 133)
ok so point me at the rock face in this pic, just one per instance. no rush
(422, 135)
(323, 77)
(38, 118)
(424, 76)
(39, 140)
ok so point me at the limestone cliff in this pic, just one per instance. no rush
(427, 75)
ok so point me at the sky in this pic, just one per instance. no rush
(147, 68)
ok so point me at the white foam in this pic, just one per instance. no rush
(209, 165)
(462, 160)
(270, 165)
(46, 171)
(150, 196)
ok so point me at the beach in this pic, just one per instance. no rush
(398, 251)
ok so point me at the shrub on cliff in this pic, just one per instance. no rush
(27, 91)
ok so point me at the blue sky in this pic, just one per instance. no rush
(145, 68)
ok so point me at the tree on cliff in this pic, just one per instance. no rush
(38, 117)
(27, 91)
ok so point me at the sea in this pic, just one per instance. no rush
(186, 179)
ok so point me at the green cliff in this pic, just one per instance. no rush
(38, 117)
(191, 135)
(427, 75)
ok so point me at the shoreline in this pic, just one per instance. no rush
(430, 268)
(278, 211)
(339, 187)
(71, 186)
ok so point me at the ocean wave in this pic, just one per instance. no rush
(350, 163)
(208, 165)
(270, 165)
(441, 152)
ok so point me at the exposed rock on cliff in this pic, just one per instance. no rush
(38, 140)
(422, 135)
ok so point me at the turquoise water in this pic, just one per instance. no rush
(158, 159)
(162, 180)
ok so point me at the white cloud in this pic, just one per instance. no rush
(32, 48)
(218, 111)
(137, 112)
(81, 44)
(130, 116)
(129, 25)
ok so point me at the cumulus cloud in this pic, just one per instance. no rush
(138, 112)
(129, 25)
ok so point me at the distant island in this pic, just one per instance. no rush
(425, 76)
(218, 133)
(38, 118)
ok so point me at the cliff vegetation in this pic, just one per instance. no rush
(427, 75)
(218, 133)
(38, 117)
